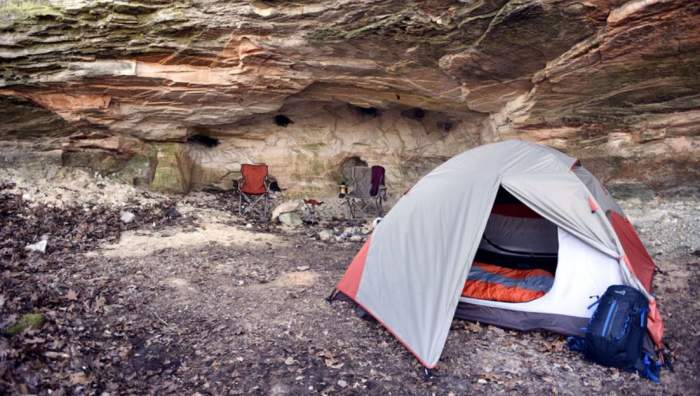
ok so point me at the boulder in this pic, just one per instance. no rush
(286, 207)
(291, 219)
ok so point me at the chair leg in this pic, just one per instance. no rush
(265, 208)
(252, 204)
(256, 208)
(258, 204)
(365, 204)
(249, 203)
(348, 200)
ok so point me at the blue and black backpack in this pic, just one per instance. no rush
(616, 332)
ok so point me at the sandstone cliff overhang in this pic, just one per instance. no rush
(123, 86)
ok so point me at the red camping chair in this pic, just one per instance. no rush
(254, 190)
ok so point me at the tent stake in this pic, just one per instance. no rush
(332, 297)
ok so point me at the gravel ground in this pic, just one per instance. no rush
(240, 309)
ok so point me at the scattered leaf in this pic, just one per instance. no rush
(72, 295)
(79, 379)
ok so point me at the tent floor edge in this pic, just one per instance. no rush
(364, 315)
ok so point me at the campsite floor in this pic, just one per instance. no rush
(208, 306)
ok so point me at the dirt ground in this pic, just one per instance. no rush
(202, 303)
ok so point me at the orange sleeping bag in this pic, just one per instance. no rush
(496, 283)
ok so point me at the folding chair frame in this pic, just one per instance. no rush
(252, 201)
(357, 204)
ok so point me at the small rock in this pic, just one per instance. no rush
(172, 213)
(303, 268)
(126, 217)
(325, 235)
(249, 225)
(79, 379)
(356, 238)
(38, 247)
(369, 227)
(289, 361)
(351, 231)
(348, 233)
(342, 383)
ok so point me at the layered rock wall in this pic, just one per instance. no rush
(175, 95)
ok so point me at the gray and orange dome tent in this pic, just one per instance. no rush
(511, 200)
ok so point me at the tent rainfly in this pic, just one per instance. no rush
(494, 216)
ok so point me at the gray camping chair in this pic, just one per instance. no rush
(366, 190)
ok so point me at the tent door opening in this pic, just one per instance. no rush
(517, 257)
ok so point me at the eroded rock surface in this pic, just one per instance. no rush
(176, 95)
